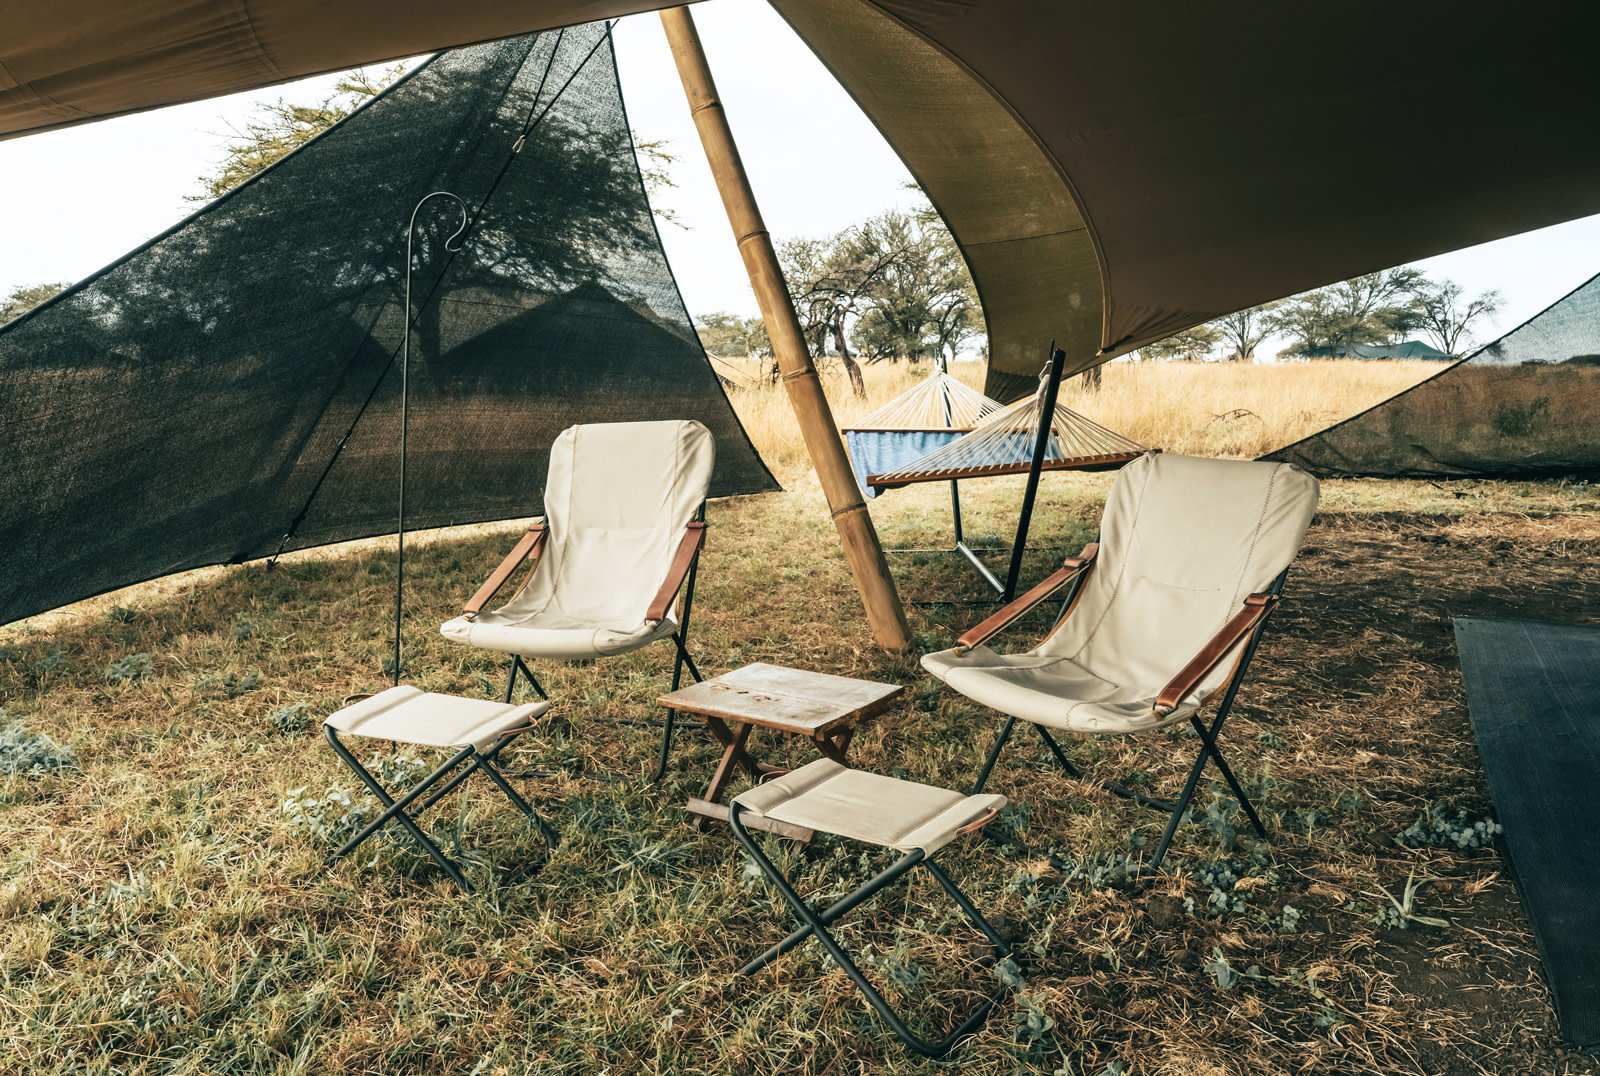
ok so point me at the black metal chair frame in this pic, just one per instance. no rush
(814, 923)
(1209, 751)
(680, 661)
(463, 764)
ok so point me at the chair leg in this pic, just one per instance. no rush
(486, 763)
(994, 753)
(396, 809)
(469, 761)
(1208, 751)
(680, 660)
(851, 900)
(517, 664)
(1055, 749)
(1209, 739)
(815, 925)
(1179, 806)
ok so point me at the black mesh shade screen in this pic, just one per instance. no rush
(1525, 406)
(232, 388)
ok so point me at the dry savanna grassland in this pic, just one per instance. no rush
(165, 907)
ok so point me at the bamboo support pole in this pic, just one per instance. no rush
(862, 551)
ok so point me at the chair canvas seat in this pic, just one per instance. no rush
(1053, 691)
(428, 719)
(554, 635)
(868, 807)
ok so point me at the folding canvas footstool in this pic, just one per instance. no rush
(915, 819)
(478, 729)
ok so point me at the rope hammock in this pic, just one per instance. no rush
(913, 424)
(940, 403)
(1003, 443)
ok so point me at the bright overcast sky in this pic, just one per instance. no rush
(71, 201)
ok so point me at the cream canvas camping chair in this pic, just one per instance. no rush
(623, 527)
(1165, 611)
(477, 729)
(916, 820)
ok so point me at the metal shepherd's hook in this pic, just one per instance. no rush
(405, 370)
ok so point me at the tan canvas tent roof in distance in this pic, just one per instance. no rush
(1114, 173)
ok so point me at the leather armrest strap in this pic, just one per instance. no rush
(1256, 609)
(694, 536)
(530, 545)
(1070, 568)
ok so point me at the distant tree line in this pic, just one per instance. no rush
(896, 287)
(1378, 308)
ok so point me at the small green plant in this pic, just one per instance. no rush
(230, 684)
(1437, 827)
(1221, 970)
(132, 669)
(118, 614)
(897, 966)
(1401, 912)
(331, 819)
(399, 771)
(243, 628)
(31, 754)
(290, 720)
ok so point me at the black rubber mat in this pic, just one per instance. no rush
(1534, 693)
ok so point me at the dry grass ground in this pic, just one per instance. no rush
(158, 916)
(1206, 409)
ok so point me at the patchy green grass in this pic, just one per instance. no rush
(162, 915)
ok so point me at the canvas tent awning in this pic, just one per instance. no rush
(1114, 173)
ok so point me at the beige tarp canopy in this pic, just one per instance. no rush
(1114, 172)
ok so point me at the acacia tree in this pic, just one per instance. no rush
(25, 297)
(833, 281)
(732, 335)
(1443, 315)
(1372, 308)
(899, 313)
(1242, 332)
(281, 128)
(955, 314)
(1191, 345)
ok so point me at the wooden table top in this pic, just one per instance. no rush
(788, 700)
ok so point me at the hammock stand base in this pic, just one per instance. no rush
(1007, 590)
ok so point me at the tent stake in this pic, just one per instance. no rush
(856, 532)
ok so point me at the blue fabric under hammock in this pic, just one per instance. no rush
(882, 451)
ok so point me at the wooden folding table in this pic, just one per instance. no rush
(821, 707)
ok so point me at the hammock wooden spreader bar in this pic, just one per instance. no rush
(1076, 463)
(1003, 444)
